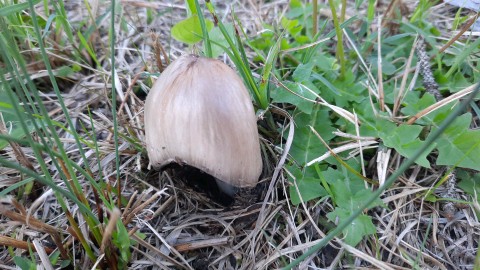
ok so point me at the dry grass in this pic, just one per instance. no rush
(185, 229)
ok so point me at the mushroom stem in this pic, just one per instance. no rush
(226, 188)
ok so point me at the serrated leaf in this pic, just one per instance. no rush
(387, 67)
(469, 183)
(434, 117)
(360, 227)
(306, 145)
(281, 95)
(459, 146)
(344, 184)
(404, 139)
(309, 188)
(303, 72)
(189, 30)
(349, 90)
(292, 26)
(348, 194)
(348, 189)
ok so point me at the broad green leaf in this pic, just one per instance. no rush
(266, 38)
(343, 183)
(24, 263)
(293, 27)
(469, 183)
(309, 188)
(326, 63)
(189, 30)
(349, 90)
(327, 83)
(303, 72)
(460, 146)
(218, 39)
(295, 4)
(387, 67)
(372, 125)
(404, 139)
(308, 182)
(360, 227)
(296, 9)
(281, 94)
(413, 108)
(306, 145)
(348, 194)
(454, 84)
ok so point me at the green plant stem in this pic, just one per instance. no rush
(114, 93)
(206, 39)
(338, 31)
(191, 7)
(60, 101)
(314, 17)
(405, 165)
(260, 97)
(343, 11)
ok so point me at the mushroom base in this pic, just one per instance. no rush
(220, 192)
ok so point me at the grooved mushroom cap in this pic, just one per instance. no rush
(199, 113)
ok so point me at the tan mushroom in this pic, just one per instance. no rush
(199, 113)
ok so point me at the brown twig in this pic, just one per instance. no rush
(459, 34)
(40, 226)
(11, 242)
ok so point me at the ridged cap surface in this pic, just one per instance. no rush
(199, 113)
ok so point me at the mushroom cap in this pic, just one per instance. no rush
(199, 113)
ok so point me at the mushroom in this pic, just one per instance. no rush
(199, 113)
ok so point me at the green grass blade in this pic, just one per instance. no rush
(56, 89)
(46, 182)
(206, 39)
(339, 33)
(114, 92)
(15, 8)
(267, 69)
(244, 67)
